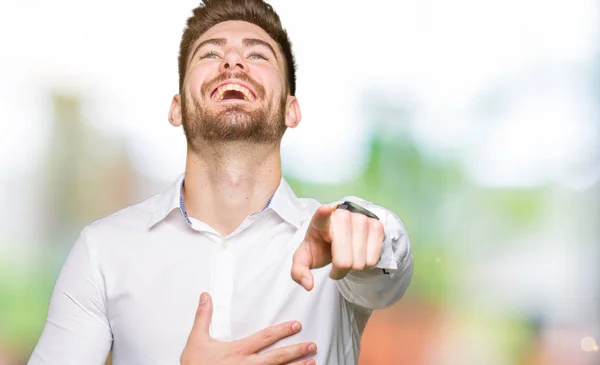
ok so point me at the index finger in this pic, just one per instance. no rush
(268, 336)
(322, 218)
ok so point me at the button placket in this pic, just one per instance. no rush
(223, 289)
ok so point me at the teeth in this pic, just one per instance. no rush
(247, 95)
(220, 91)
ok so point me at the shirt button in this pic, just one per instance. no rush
(224, 243)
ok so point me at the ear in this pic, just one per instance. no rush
(293, 113)
(175, 111)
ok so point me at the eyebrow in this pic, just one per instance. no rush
(216, 41)
(247, 42)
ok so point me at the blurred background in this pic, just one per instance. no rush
(478, 122)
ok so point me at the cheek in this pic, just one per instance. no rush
(270, 79)
(196, 78)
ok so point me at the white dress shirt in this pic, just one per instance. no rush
(132, 283)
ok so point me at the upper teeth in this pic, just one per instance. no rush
(221, 90)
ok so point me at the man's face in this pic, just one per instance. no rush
(234, 87)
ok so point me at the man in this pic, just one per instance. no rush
(229, 230)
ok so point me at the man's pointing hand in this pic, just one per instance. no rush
(350, 241)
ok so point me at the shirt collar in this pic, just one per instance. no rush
(165, 202)
(283, 202)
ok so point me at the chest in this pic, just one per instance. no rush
(153, 297)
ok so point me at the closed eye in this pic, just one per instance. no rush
(210, 54)
(258, 56)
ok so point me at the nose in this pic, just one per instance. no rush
(233, 61)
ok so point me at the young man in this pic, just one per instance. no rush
(291, 281)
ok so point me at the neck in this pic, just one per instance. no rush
(226, 182)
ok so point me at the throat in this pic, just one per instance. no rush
(226, 204)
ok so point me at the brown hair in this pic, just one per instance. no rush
(212, 12)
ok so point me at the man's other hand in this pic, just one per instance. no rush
(201, 349)
(351, 241)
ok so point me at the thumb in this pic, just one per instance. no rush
(301, 266)
(201, 327)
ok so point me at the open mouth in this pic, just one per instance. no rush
(232, 92)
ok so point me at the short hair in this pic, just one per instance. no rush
(212, 12)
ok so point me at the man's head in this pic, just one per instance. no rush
(236, 74)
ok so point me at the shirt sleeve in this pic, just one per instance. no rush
(77, 330)
(386, 283)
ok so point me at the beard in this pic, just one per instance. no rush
(265, 124)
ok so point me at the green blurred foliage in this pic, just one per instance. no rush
(24, 302)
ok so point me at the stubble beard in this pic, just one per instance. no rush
(233, 123)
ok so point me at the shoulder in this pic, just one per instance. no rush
(133, 218)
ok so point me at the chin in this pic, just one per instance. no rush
(234, 109)
(234, 115)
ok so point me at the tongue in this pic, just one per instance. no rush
(233, 94)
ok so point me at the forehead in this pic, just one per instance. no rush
(235, 30)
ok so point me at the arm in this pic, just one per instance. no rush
(77, 330)
(384, 284)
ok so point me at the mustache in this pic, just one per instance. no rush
(209, 86)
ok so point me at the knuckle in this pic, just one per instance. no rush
(371, 262)
(280, 358)
(358, 266)
(361, 220)
(239, 350)
(342, 262)
(267, 336)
